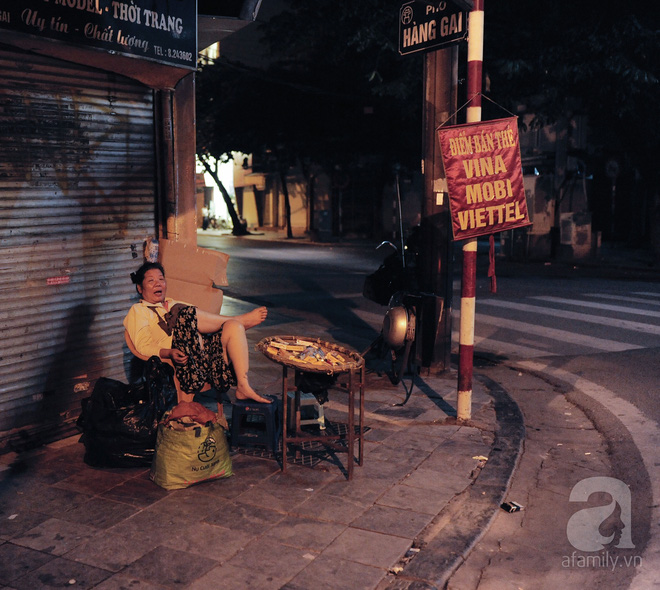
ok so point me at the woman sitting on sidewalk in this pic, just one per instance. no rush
(204, 348)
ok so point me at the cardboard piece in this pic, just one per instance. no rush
(194, 274)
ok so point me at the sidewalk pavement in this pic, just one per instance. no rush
(426, 492)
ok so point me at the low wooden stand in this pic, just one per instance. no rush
(349, 376)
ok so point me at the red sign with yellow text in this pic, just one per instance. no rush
(484, 177)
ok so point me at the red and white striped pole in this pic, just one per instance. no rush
(468, 286)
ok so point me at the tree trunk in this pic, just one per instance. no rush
(287, 204)
(309, 192)
(238, 228)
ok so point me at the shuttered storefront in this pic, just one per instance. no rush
(77, 199)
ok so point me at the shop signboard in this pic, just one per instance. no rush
(484, 177)
(425, 26)
(164, 31)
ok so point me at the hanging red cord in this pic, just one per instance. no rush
(491, 264)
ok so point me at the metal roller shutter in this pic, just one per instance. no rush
(77, 199)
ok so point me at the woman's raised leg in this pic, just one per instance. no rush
(207, 323)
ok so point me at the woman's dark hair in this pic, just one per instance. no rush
(138, 276)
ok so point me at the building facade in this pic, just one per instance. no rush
(97, 156)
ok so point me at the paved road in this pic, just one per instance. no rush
(575, 319)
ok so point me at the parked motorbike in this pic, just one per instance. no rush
(394, 284)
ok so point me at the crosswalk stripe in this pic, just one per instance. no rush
(572, 315)
(623, 298)
(488, 344)
(604, 306)
(370, 317)
(648, 293)
(520, 329)
(555, 334)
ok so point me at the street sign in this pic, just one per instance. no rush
(430, 25)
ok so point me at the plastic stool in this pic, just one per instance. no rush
(253, 423)
(311, 411)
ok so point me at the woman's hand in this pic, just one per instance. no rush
(175, 355)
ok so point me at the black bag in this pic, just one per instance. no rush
(119, 422)
(390, 278)
(380, 285)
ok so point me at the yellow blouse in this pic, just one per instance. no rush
(141, 322)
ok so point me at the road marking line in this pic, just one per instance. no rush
(555, 334)
(620, 298)
(508, 349)
(647, 293)
(605, 306)
(369, 317)
(572, 315)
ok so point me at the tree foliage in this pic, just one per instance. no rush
(333, 89)
(594, 58)
(597, 60)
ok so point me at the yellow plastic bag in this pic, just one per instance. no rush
(190, 455)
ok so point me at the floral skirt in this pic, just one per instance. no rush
(205, 365)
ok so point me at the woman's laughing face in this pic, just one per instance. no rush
(154, 286)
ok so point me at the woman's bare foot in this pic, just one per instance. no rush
(253, 318)
(249, 393)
